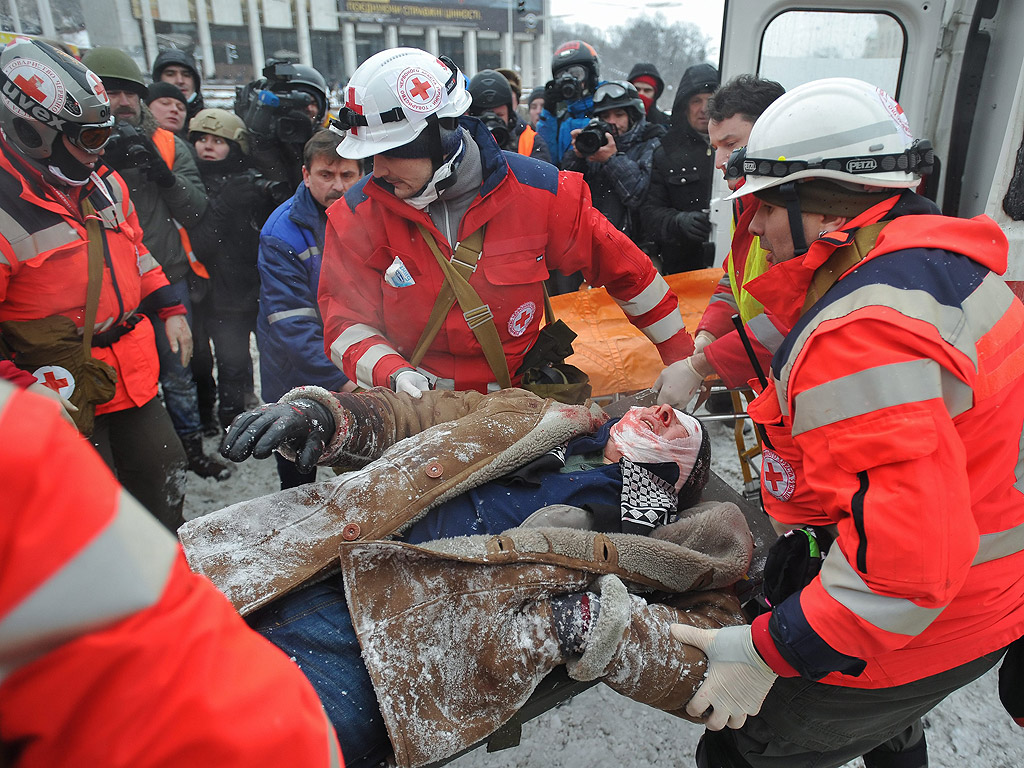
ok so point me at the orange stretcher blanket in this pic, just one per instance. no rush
(618, 357)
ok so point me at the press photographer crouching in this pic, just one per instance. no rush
(281, 111)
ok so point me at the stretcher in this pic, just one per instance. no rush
(558, 688)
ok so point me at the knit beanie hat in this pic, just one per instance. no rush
(164, 90)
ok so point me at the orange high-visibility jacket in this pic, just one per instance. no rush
(895, 412)
(114, 653)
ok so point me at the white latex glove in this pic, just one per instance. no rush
(701, 340)
(677, 384)
(179, 336)
(412, 383)
(737, 680)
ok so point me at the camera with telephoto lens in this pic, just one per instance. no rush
(126, 148)
(497, 127)
(270, 110)
(568, 87)
(275, 191)
(593, 136)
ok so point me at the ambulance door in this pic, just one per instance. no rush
(890, 44)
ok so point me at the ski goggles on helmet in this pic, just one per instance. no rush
(91, 138)
(610, 91)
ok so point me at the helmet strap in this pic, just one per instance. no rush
(796, 220)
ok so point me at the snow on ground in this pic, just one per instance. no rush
(602, 729)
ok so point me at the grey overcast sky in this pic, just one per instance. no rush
(604, 14)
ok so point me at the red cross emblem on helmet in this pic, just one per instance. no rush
(419, 91)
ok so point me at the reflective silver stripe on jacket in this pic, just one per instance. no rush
(364, 366)
(307, 254)
(1000, 544)
(880, 387)
(664, 329)
(764, 330)
(892, 614)
(27, 245)
(121, 571)
(649, 298)
(274, 317)
(960, 327)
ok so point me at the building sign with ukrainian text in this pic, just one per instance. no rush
(479, 14)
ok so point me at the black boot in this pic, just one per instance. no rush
(199, 462)
(882, 756)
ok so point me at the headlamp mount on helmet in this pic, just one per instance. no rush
(918, 158)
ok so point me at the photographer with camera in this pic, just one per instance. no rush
(492, 103)
(163, 180)
(567, 96)
(281, 111)
(226, 239)
(613, 152)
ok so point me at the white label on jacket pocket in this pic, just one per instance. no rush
(397, 275)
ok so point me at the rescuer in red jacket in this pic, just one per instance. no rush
(440, 173)
(56, 196)
(893, 418)
(113, 652)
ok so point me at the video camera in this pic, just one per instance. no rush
(593, 136)
(498, 127)
(270, 110)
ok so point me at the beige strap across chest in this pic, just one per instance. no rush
(841, 261)
(456, 287)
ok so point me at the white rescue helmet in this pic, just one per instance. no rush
(393, 96)
(836, 128)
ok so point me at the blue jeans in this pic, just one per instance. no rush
(313, 627)
(176, 381)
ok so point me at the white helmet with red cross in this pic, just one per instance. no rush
(838, 129)
(393, 96)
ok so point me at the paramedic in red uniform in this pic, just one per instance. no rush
(113, 652)
(893, 416)
(438, 172)
(50, 173)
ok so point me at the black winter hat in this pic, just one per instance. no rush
(162, 90)
(179, 57)
(650, 70)
(700, 78)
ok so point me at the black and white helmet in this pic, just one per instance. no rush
(45, 93)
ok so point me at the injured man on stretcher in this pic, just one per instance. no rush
(474, 543)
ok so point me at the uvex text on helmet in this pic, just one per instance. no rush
(46, 93)
(393, 96)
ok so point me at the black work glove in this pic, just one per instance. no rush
(243, 196)
(694, 225)
(155, 168)
(303, 425)
(551, 97)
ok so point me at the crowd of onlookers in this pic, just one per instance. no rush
(231, 205)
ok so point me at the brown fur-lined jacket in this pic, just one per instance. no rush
(257, 550)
